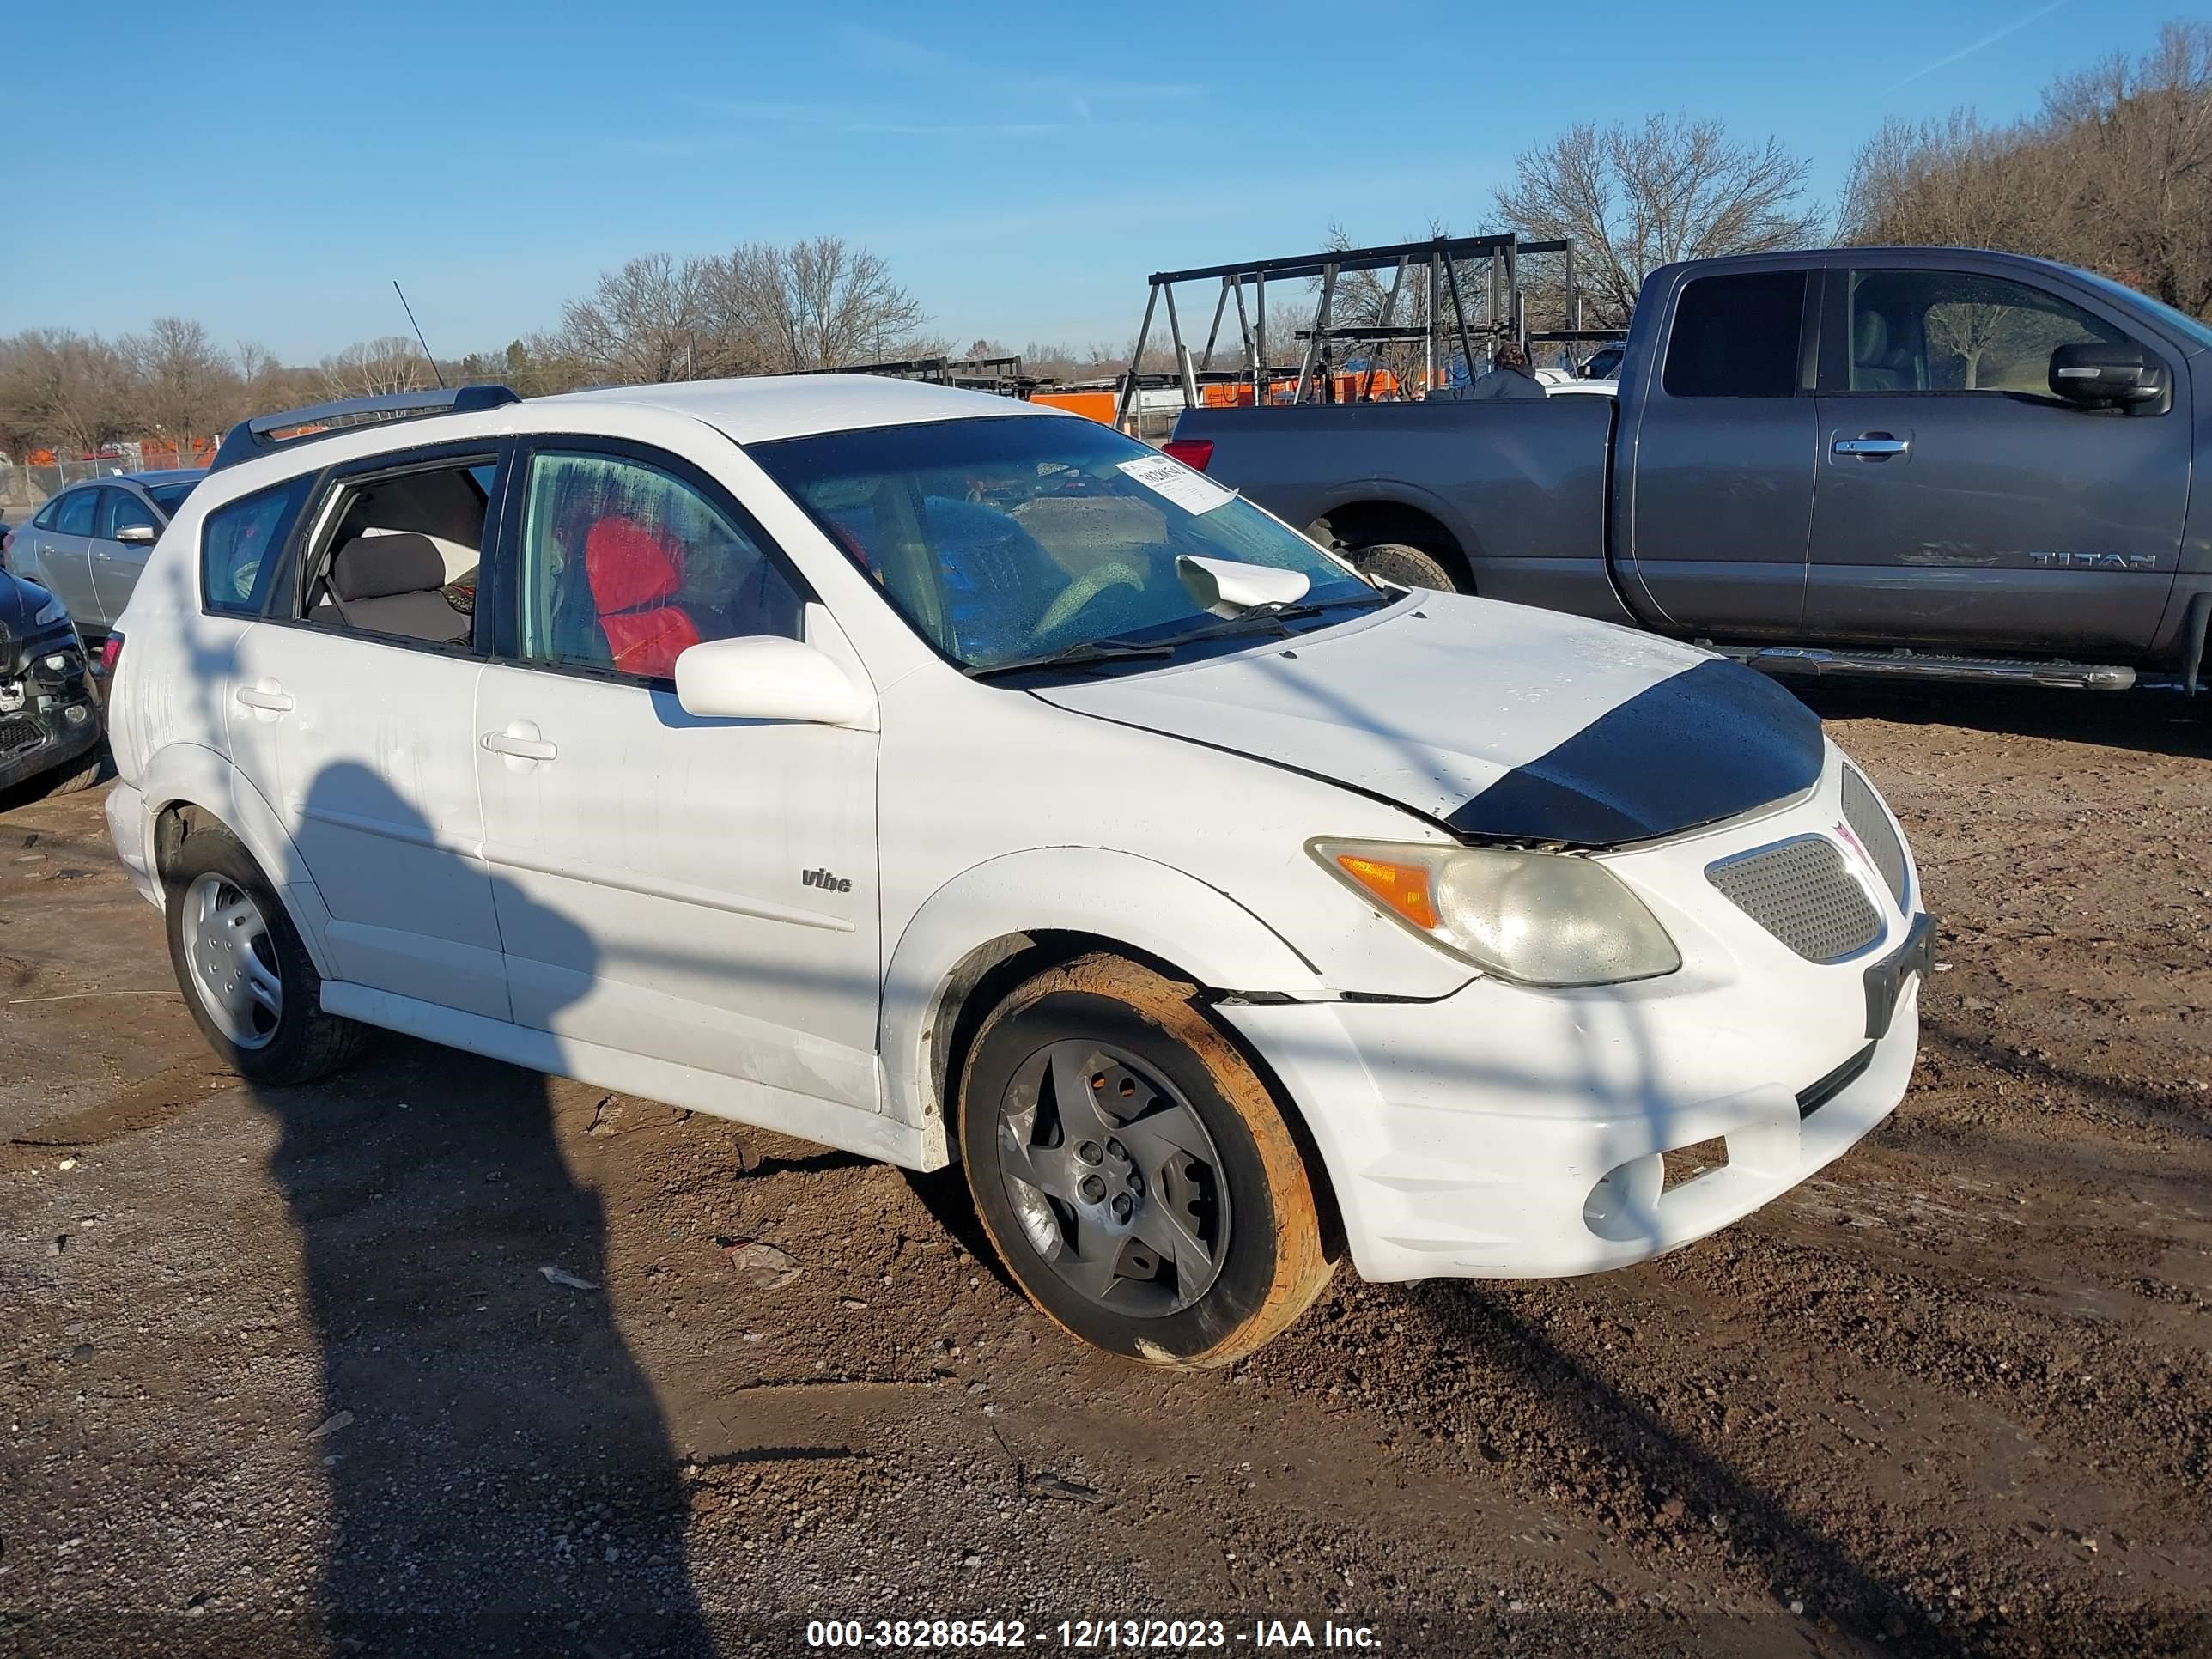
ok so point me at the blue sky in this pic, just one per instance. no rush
(1022, 166)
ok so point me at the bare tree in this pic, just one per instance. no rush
(816, 304)
(2115, 173)
(645, 322)
(1641, 195)
(370, 368)
(70, 392)
(184, 387)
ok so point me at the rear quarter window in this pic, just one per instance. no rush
(241, 545)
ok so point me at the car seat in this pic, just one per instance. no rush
(1875, 366)
(632, 572)
(390, 585)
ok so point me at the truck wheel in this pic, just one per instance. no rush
(245, 973)
(1409, 566)
(1137, 1179)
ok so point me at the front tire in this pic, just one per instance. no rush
(1136, 1177)
(245, 973)
(74, 775)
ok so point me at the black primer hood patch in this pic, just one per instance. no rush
(1705, 744)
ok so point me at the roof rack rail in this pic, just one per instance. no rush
(264, 434)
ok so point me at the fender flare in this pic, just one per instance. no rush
(190, 774)
(1150, 907)
(1395, 492)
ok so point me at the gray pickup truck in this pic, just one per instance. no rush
(1914, 461)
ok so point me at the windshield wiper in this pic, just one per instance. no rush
(1268, 618)
(1076, 656)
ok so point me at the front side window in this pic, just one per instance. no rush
(73, 517)
(625, 564)
(1948, 330)
(240, 545)
(1005, 539)
(1737, 336)
(118, 511)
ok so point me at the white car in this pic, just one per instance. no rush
(937, 777)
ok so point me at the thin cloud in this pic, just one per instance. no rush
(913, 56)
(1989, 39)
(866, 120)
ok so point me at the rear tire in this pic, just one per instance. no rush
(1137, 1179)
(245, 973)
(1407, 567)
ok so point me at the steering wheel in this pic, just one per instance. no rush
(1078, 595)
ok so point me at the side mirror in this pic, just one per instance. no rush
(2098, 374)
(764, 677)
(140, 535)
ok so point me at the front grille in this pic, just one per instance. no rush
(1801, 892)
(1862, 811)
(17, 733)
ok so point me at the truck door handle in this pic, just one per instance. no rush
(521, 742)
(266, 695)
(1871, 444)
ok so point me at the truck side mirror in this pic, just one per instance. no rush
(2104, 374)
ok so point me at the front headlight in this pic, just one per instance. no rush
(1539, 918)
(52, 612)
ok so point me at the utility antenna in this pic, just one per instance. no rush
(419, 340)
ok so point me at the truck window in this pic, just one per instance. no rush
(1954, 330)
(1736, 336)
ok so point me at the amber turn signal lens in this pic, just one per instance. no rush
(1401, 888)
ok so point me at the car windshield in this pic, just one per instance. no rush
(2199, 336)
(170, 497)
(1008, 538)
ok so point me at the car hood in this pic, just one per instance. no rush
(1502, 722)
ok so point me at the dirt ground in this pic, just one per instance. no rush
(287, 1373)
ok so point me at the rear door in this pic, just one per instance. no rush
(116, 565)
(1721, 456)
(60, 541)
(1959, 503)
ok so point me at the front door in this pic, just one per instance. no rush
(1720, 467)
(1958, 501)
(701, 892)
(116, 565)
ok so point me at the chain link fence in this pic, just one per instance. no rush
(24, 490)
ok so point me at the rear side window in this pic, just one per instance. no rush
(72, 515)
(1737, 336)
(240, 545)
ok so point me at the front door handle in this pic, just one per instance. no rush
(1871, 445)
(521, 741)
(267, 696)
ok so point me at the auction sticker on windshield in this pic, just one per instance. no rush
(1189, 490)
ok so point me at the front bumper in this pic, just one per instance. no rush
(49, 715)
(1510, 1132)
(1530, 1157)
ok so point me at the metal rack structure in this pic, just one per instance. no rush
(1498, 305)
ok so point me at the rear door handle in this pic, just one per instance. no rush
(266, 695)
(520, 741)
(1872, 443)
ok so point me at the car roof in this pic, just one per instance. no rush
(762, 408)
(159, 476)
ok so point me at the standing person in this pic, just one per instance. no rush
(1510, 376)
